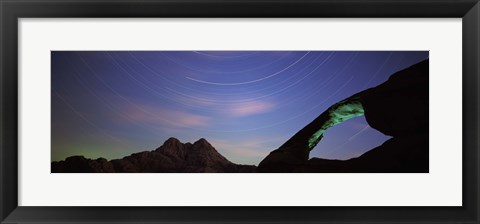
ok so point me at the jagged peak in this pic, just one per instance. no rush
(202, 141)
(172, 140)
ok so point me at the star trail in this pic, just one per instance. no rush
(245, 103)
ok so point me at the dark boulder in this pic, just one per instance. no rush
(400, 105)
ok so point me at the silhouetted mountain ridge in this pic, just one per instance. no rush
(171, 157)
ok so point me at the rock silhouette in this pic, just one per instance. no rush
(398, 107)
(172, 157)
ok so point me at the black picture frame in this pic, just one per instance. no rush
(12, 10)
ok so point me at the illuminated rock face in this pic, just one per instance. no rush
(398, 107)
(340, 112)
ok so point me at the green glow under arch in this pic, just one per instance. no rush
(340, 112)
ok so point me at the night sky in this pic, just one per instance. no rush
(245, 103)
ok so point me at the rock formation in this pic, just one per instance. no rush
(172, 157)
(398, 107)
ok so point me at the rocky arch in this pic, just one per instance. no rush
(398, 107)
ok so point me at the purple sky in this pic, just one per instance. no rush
(245, 103)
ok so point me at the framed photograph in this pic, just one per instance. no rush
(239, 112)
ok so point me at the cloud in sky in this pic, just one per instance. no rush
(165, 117)
(249, 108)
